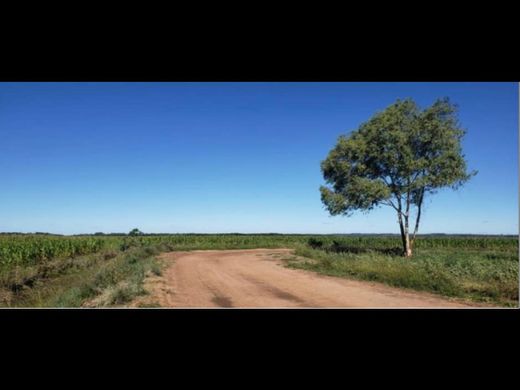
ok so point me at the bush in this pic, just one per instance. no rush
(315, 243)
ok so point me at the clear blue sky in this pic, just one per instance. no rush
(228, 157)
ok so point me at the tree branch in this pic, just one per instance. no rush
(408, 198)
(417, 220)
(399, 205)
(386, 182)
(391, 204)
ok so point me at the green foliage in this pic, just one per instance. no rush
(35, 249)
(482, 269)
(99, 282)
(315, 243)
(395, 159)
(29, 250)
(135, 232)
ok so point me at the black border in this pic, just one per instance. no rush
(380, 42)
(463, 322)
(438, 56)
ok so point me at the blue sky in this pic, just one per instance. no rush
(229, 157)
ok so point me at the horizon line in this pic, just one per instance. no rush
(257, 233)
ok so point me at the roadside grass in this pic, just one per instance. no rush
(148, 305)
(99, 280)
(487, 276)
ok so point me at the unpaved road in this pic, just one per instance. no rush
(258, 278)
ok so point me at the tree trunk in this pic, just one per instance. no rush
(418, 219)
(405, 237)
(407, 246)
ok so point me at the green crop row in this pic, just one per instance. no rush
(34, 249)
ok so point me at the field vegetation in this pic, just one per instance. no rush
(108, 270)
(480, 269)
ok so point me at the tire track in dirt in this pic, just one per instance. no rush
(258, 278)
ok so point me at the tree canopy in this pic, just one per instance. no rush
(396, 158)
(135, 232)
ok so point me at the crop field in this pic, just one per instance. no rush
(105, 270)
(22, 250)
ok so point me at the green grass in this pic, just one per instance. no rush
(94, 281)
(480, 275)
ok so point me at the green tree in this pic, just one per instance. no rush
(396, 158)
(135, 232)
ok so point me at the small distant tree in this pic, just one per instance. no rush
(135, 232)
(396, 158)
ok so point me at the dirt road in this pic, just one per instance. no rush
(258, 278)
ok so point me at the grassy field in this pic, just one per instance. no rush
(481, 269)
(106, 278)
(65, 271)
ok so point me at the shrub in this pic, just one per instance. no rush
(315, 243)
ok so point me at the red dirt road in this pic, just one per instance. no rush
(258, 278)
